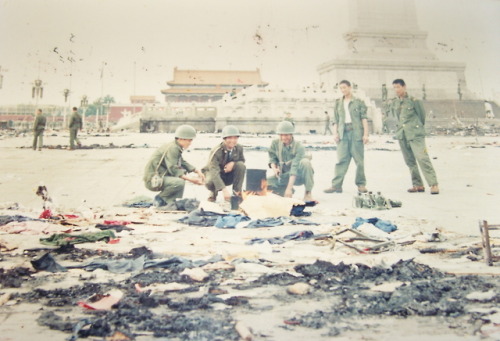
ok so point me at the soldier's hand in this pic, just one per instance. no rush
(276, 171)
(288, 193)
(336, 138)
(201, 175)
(229, 167)
(365, 139)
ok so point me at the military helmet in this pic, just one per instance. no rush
(285, 127)
(230, 131)
(185, 132)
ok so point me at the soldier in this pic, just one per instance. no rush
(38, 128)
(410, 132)
(75, 124)
(327, 124)
(350, 132)
(168, 163)
(289, 163)
(226, 165)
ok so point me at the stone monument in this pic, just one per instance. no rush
(385, 43)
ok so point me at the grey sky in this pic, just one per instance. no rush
(286, 39)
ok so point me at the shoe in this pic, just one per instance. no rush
(212, 197)
(158, 201)
(416, 189)
(435, 189)
(333, 190)
(362, 189)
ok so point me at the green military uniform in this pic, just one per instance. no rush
(351, 141)
(171, 167)
(75, 124)
(216, 178)
(291, 161)
(327, 124)
(410, 132)
(38, 129)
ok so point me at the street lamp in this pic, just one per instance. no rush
(84, 103)
(37, 90)
(66, 93)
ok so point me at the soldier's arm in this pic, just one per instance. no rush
(419, 107)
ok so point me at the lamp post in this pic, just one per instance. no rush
(37, 90)
(66, 93)
(84, 104)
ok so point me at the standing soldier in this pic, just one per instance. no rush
(410, 132)
(167, 162)
(327, 124)
(226, 165)
(350, 132)
(38, 128)
(75, 124)
(289, 163)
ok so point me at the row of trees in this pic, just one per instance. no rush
(99, 105)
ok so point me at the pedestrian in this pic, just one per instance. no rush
(226, 166)
(75, 124)
(38, 129)
(350, 132)
(327, 124)
(167, 162)
(289, 164)
(488, 110)
(289, 118)
(410, 132)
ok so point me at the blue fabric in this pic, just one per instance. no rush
(299, 235)
(199, 217)
(230, 221)
(384, 225)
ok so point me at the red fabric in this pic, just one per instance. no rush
(46, 214)
(116, 222)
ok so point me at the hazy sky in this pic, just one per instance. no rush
(140, 42)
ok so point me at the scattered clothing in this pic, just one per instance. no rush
(65, 239)
(5, 219)
(298, 210)
(299, 235)
(200, 217)
(187, 204)
(384, 225)
(139, 202)
(230, 221)
(47, 263)
(116, 227)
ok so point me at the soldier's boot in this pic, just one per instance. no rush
(434, 189)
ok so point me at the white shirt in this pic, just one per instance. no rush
(347, 113)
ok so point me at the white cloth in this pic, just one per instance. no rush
(347, 113)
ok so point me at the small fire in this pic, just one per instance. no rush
(263, 190)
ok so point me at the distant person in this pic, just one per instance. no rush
(289, 118)
(226, 166)
(350, 132)
(327, 124)
(75, 124)
(384, 92)
(410, 132)
(38, 129)
(289, 164)
(488, 110)
(168, 163)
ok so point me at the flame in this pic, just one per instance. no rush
(263, 190)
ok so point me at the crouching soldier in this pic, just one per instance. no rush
(226, 165)
(289, 163)
(167, 171)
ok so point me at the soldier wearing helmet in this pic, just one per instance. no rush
(289, 163)
(167, 161)
(226, 165)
